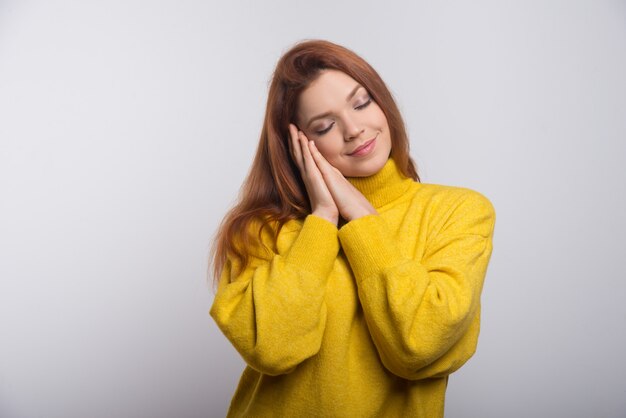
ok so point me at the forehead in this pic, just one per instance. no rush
(327, 92)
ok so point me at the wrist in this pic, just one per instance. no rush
(331, 217)
(360, 214)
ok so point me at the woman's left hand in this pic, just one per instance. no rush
(349, 200)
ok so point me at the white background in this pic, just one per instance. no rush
(127, 127)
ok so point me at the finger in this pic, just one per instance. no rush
(289, 141)
(296, 151)
(334, 179)
(293, 134)
(322, 163)
(317, 155)
(309, 162)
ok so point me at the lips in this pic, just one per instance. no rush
(364, 145)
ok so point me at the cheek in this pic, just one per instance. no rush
(378, 116)
(329, 149)
(323, 148)
(382, 120)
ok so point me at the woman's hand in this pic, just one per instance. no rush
(349, 200)
(330, 193)
(322, 202)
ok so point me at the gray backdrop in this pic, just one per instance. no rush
(127, 127)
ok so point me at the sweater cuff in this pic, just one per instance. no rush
(369, 246)
(316, 247)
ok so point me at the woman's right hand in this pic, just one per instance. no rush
(322, 202)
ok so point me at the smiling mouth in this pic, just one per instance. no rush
(364, 145)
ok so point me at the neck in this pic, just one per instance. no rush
(383, 187)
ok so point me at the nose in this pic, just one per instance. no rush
(352, 129)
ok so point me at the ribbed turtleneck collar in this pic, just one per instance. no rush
(383, 187)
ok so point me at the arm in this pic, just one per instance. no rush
(423, 315)
(273, 312)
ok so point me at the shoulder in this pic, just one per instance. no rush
(268, 238)
(451, 196)
(456, 208)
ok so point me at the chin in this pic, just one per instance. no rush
(366, 168)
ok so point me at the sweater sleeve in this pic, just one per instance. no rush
(273, 312)
(423, 315)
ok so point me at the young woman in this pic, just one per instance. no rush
(350, 288)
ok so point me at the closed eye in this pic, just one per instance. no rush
(364, 105)
(359, 107)
(323, 131)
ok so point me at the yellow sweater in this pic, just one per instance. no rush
(367, 320)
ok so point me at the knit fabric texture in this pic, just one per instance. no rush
(365, 320)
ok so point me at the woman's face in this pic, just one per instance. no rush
(338, 114)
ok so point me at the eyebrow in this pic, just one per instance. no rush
(323, 115)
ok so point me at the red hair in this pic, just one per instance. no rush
(273, 192)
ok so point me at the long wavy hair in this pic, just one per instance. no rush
(273, 192)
